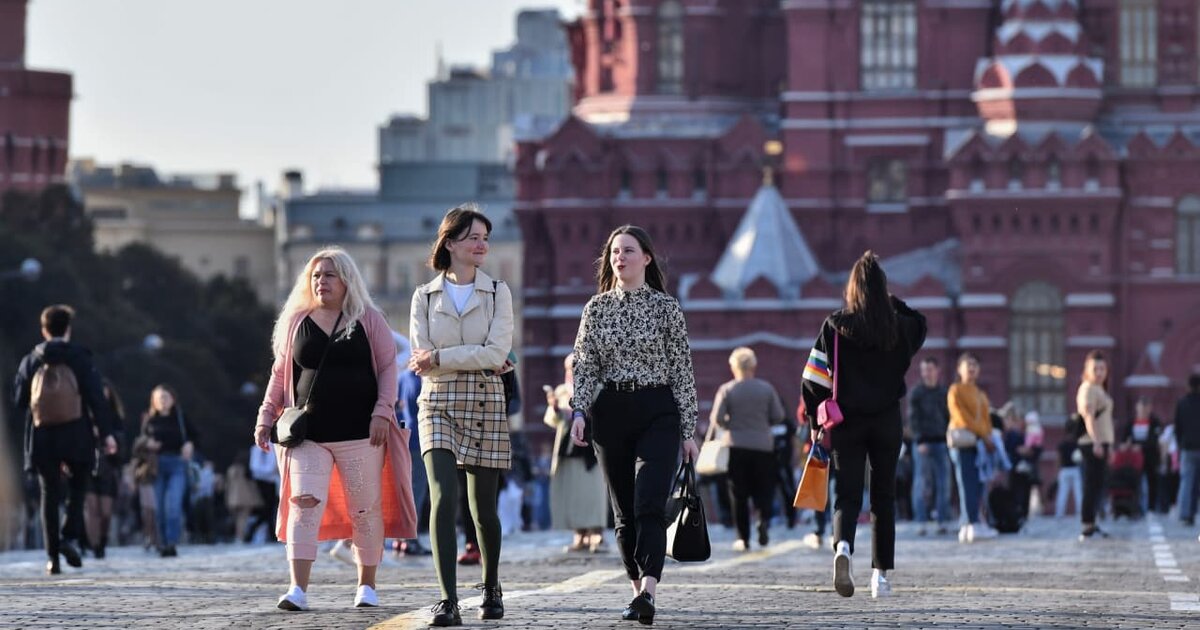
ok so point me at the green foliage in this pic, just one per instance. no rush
(216, 333)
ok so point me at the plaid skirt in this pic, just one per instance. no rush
(466, 415)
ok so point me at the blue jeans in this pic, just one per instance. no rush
(1189, 470)
(934, 466)
(169, 487)
(966, 473)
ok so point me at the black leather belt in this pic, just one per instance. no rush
(628, 386)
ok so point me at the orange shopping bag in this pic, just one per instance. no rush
(813, 492)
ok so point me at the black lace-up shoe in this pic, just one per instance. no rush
(641, 609)
(445, 613)
(493, 602)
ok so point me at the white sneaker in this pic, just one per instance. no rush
(966, 534)
(985, 532)
(739, 545)
(812, 540)
(843, 575)
(880, 586)
(294, 599)
(365, 597)
(341, 551)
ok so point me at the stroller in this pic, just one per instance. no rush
(1125, 483)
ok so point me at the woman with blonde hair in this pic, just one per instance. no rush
(745, 409)
(1095, 406)
(461, 330)
(577, 497)
(349, 477)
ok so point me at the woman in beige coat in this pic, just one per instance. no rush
(578, 499)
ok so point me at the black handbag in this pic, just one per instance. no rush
(687, 532)
(292, 426)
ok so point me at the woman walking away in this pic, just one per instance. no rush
(970, 430)
(636, 392)
(350, 476)
(578, 499)
(172, 436)
(746, 408)
(867, 347)
(1095, 406)
(461, 331)
(105, 480)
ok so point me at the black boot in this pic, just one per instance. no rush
(70, 554)
(493, 603)
(52, 567)
(445, 613)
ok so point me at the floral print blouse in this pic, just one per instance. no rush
(637, 336)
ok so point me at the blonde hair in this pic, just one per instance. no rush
(301, 299)
(743, 360)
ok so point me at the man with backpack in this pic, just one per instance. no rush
(59, 396)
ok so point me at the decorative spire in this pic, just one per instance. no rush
(767, 243)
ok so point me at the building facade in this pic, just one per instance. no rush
(35, 111)
(192, 218)
(476, 114)
(1023, 166)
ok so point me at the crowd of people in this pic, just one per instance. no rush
(366, 438)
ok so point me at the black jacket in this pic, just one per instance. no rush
(68, 442)
(928, 414)
(870, 380)
(1187, 422)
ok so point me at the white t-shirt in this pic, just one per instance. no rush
(460, 293)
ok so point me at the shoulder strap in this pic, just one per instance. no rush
(179, 418)
(328, 345)
(835, 363)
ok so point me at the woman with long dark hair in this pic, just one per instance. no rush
(636, 392)
(1095, 406)
(867, 346)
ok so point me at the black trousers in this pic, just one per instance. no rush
(751, 475)
(1095, 469)
(785, 480)
(50, 479)
(857, 441)
(636, 437)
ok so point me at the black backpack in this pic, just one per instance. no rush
(1003, 513)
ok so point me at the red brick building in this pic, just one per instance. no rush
(1026, 167)
(35, 111)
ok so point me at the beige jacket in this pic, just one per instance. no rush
(479, 339)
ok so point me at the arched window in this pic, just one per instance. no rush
(888, 33)
(1187, 236)
(670, 47)
(1036, 363)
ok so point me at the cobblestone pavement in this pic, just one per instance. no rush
(1145, 576)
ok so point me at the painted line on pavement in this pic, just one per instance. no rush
(753, 556)
(1184, 602)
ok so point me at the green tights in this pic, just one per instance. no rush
(483, 486)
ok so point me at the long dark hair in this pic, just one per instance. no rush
(606, 280)
(455, 226)
(869, 318)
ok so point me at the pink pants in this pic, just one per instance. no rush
(361, 468)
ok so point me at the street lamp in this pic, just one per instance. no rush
(29, 271)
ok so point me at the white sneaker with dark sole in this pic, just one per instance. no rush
(294, 600)
(365, 597)
(880, 586)
(843, 575)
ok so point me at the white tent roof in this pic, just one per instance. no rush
(767, 243)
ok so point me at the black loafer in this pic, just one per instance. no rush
(445, 613)
(629, 614)
(493, 602)
(70, 554)
(643, 607)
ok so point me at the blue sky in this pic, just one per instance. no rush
(256, 86)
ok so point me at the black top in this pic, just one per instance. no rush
(928, 415)
(340, 407)
(172, 430)
(67, 442)
(870, 380)
(1187, 422)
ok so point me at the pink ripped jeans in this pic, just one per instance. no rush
(360, 466)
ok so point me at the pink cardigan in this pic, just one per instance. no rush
(399, 512)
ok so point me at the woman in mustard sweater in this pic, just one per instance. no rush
(970, 429)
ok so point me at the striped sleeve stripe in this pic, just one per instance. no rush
(817, 369)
